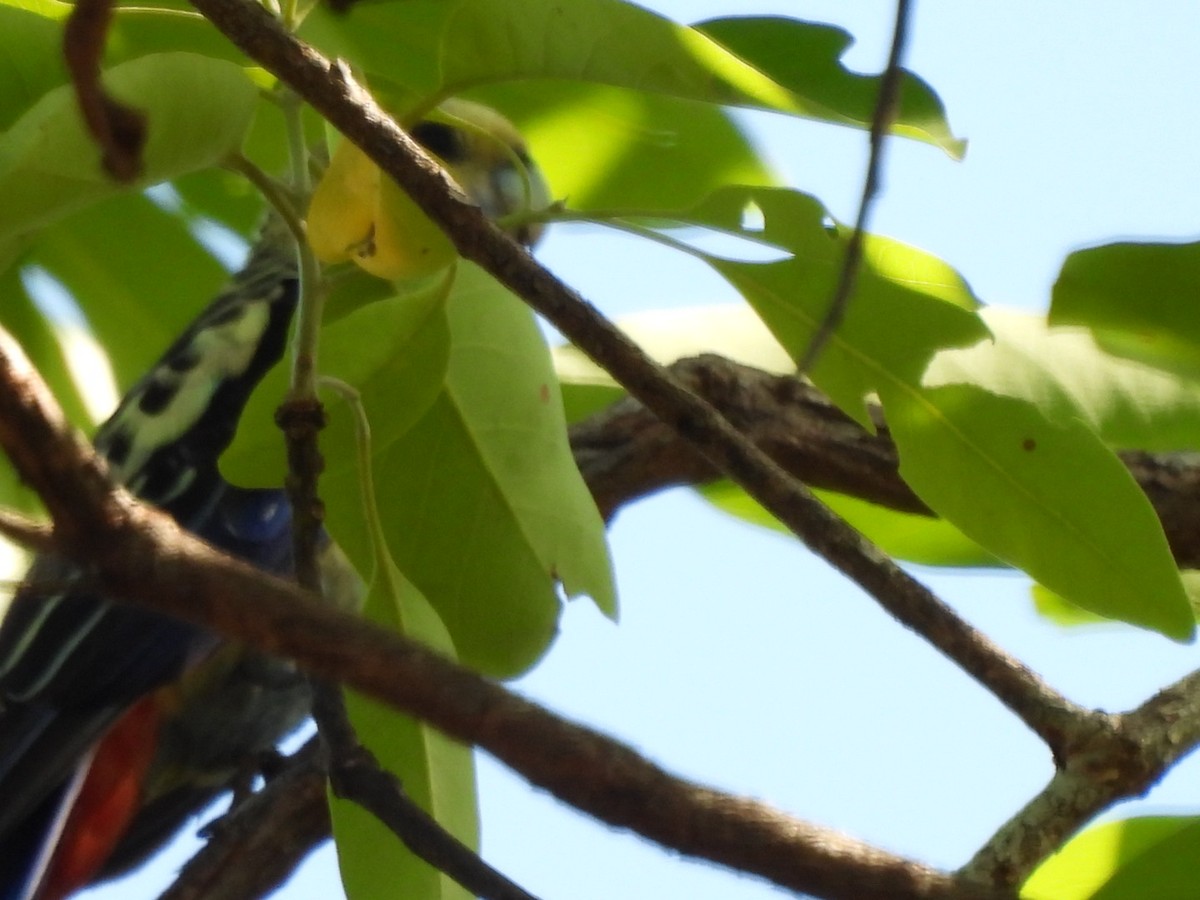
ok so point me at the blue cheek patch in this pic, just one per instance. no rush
(254, 525)
(256, 516)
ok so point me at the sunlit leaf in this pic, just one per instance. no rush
(1066, 375)
(908, 304)
(1046, 496)
(31, 60)
(436, 47)
(1133, 859)
(1138, 299)
(643, 151)
(146, 29)
(919, 539)
(197, 111)
(1067, 615)
(805, 58)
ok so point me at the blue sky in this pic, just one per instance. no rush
(741, 661)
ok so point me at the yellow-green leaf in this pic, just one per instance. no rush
(197, 110)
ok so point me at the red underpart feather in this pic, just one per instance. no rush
(107, 801)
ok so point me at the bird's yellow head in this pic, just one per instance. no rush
(357, 214)
(488, 158)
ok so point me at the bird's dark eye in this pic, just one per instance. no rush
(442, 140)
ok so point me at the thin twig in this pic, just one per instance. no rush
(332, 91)
(27, 533)
(120, 130)
(280, 199)
(881, 121)
(301, 416)
(355, 775)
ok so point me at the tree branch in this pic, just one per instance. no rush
(626, 452)
(139, 555)
(331, 90)
(257, 845)
(1122, 758)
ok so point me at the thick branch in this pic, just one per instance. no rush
(1122, 758)
(141, 556)
(329, 88)
(626, 452)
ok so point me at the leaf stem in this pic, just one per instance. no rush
(366, 471)
(278, 197)
(311, 300)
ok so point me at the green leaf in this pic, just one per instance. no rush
(223, 197)
(125, 292)
(1139, 300)
(394, 352)
(1065, 510)
(480, 495)
(1133, 859)
(919, 539)
(1062, 612)
(31, 60)
(25, 322)
(435, 772)
(41, 340)
(435, 48)
(1046, 496)
(1068, 376)
(483, 506)
(1070, 379)
(438, 47)
(197, 112)
(1067, 615)
(804, 58)
(907, 306)
(145, 30)
(643, 151)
